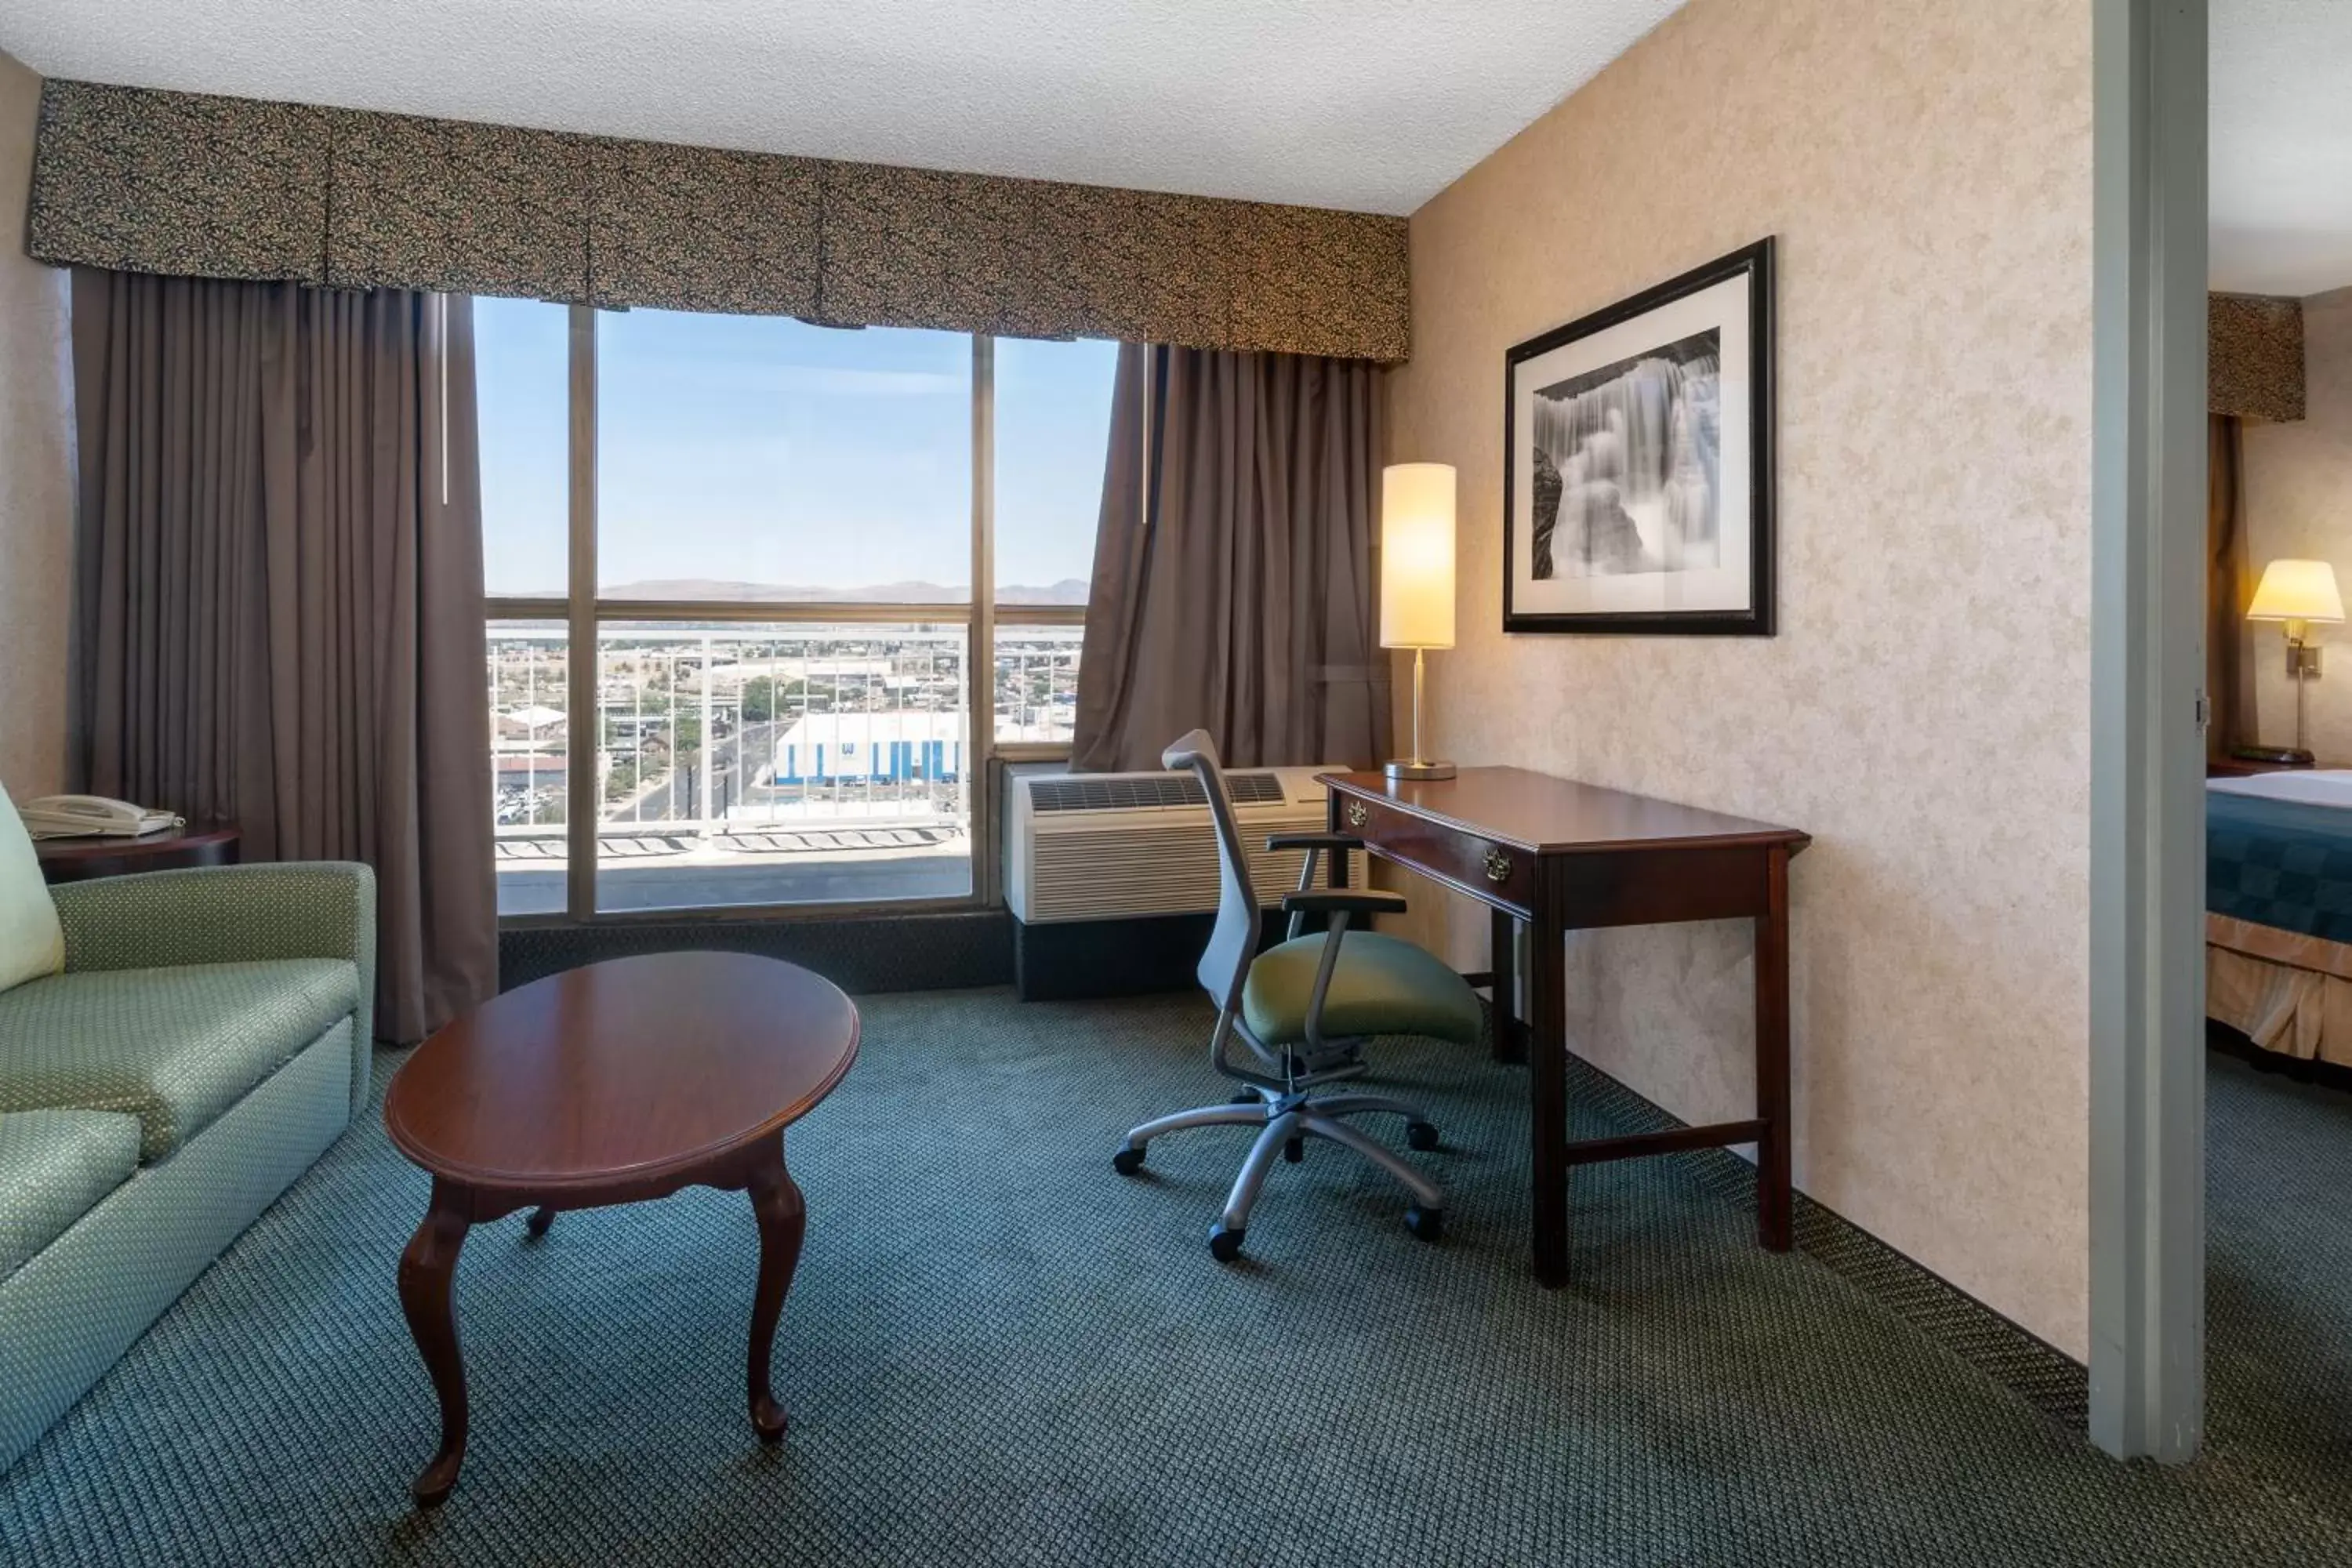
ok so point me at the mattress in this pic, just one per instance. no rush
(2278, 899)
(2278, 851)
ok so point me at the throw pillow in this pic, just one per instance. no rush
(32, 942)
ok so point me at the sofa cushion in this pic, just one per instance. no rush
(54, 1167)
(1382, 985)
(32, 943)
(172, 1046)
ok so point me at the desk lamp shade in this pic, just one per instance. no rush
(1417, 555)
(1417, 581)
(2294, 590)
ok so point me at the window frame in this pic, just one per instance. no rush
(581, 610)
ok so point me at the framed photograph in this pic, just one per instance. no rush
(1637, 472)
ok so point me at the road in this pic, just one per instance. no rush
(666, 800)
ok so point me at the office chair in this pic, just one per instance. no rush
(1300, 1013)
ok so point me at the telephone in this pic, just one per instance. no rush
(76, 816)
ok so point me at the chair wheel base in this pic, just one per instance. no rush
(1421, 1135)
(1428, 1224)
(1127, 1161)
(1224, 1246)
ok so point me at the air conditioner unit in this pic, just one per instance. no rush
(1111, 877)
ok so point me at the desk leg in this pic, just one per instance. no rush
(1546, 1049)
(1503, 959)
(1773, 1186)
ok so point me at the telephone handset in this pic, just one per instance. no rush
(77, 815)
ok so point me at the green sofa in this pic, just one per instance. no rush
(207, 1040)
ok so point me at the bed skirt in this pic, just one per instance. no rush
(2288, 993)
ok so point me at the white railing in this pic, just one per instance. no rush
(753, 738)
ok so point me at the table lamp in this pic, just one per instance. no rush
(1417, 581)
(2297, 593)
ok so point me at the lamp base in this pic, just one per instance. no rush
(1402, 770)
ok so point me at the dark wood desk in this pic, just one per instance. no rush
(1563, 855)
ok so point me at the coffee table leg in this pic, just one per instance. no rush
(541, 1218)
(783, 1214)
(427, 1270)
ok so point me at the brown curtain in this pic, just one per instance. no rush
(280, 594)
(1232, 585)
(2229, 587)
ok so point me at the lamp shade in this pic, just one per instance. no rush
(2298, 591)
(1417, 555)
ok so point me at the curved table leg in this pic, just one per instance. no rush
(783, 1215)
(427, 1270)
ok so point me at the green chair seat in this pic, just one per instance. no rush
(55, 1165)
(1384, 985)
(174, 1047)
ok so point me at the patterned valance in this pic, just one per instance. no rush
(225, 187)
(2253, 356)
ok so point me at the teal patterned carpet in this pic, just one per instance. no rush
(999, 1352)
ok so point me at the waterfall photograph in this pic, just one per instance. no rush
(1626, 464)
(1638, 486)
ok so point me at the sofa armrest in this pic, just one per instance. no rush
(230, 914)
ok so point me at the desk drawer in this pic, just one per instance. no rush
(1496, 873)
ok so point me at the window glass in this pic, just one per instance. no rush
(781, 764)
(521, 390)
(1053, 430)
(744, 458)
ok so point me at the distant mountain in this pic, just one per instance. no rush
(1068, 591)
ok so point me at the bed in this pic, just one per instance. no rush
(2278, 911)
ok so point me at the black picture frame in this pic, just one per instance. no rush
(1756, 262)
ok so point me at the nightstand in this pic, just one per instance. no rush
(2246, 767)
(167, 850)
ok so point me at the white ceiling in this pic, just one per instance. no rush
(1374, 105)
(2282, 149)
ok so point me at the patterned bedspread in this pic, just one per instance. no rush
(2280, 863)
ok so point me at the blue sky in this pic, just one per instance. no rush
(763, 449)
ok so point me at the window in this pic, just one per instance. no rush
(778, 650)
(1053, 433)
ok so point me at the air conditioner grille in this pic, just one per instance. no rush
(1116, 792)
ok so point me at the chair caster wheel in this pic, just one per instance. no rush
(1429, 1225)
(1294, 1149)
(1127, 1161)
(1246, 1097)
(1224, 1246)
(1421, 1135)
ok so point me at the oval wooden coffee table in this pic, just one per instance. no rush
(612, 1084)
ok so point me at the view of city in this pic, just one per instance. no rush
(757, 765)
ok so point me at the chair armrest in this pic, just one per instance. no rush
(1341, 841)
(226, 914)
(1344, 901)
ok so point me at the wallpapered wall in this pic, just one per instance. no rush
(2299, 504)
(36, 480)
(1928, 170)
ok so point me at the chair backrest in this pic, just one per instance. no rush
(1233, 944)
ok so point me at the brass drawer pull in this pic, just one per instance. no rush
(1499, 866)
(1357, 813)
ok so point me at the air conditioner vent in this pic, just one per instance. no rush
(1128, 791)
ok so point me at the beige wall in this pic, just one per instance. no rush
(2299, 504)
(1928, 170)
(36, 472)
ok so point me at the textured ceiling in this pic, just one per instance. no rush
(1374, 105)
(2282, 148)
